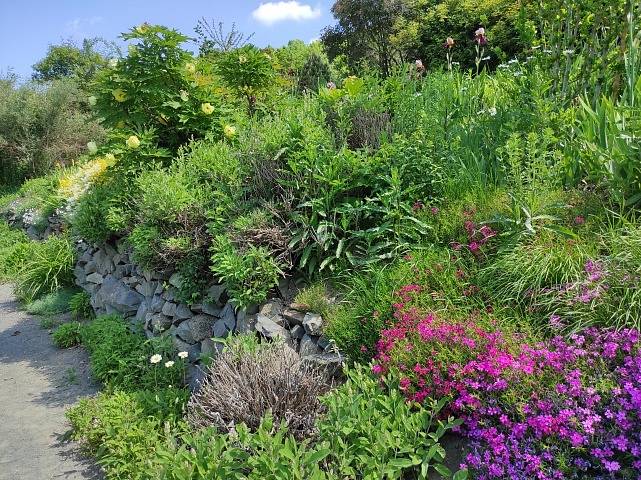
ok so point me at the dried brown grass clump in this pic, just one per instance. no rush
(243, 384)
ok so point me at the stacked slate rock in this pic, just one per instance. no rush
(117, 285)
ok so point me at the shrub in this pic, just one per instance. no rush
(47, 267)
(80, 306)
(53, 303)
(247, 380)
(125, 360)
(315, 73)
(13, 246)
(248, 275)
(373, 433)
(90, 217)
(42, 127)
(67, 335)
(315, 298)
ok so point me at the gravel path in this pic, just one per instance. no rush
(38, 382)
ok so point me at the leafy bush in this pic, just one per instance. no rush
(125, 360)
(248, 275)
(80, 306)
(48, 266)
(67, 335)
(42, 127)
(247, 380)
(13, 246)
(53, 303)
(373, 433)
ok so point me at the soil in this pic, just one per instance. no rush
(38, 382)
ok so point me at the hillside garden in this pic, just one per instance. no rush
(467, 227)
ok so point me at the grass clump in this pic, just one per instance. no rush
(67, 335)
(52, 303)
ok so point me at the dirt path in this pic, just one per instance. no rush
(37, 384)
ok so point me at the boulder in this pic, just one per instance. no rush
(209, 348)
(228, 317)
(157, 322)
(119, 296)
(193, 351)
(211, 309)
(145, 288)
(297, 332)
(308, 347)
(331, 362)
(176, 280)
(272, 308)
(95, 277)
(156, 304)
(270, 329)
(169, 309)
(183, 312)
(200, 326)
(313, 323)
(215, 293)
(293, 317)
(245, 323)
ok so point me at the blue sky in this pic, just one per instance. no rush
(27, 27)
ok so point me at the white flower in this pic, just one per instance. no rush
(514, 60)
(568, 52)
(92, 148)
(155, 358)
(169, 364)
(485, 59)
(492, 111)
(183, 355)
(113, 62)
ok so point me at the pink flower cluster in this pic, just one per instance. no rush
(476, 236)
(564, 408)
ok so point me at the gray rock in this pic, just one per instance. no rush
(80, 275)
(331, 362)
(293, 317)
(156, 304)
(270, 329)
(324, 343)
(169, 294)
(272, 308)
(158, 322)
(220, 329)
(195, 377)
(209, 348)
(169, 309)
(116, 259)
(123, 270)
(95, 278)
(176, 280)
(183, 312)
(192, 350)
(90, 267)
(313, 323)
(143, 310)
(146, 288)
(297, 332)
(211, 309)
(245, 323)
(110, 251)
(215, 293)
(229, 317)
(119, 296)
(308, 347)
(183, 332)
(201, 327)
(86, 257)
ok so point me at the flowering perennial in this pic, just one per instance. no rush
(563, 408)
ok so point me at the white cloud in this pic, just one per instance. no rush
(79, 24)
(273, 12)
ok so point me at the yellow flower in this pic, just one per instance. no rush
(142, 28)
(132, 49)
(119, 94)
(190, 67)
(92, 147)
(92, 100)
(113, 62)
(230, 131)
(242, 58)
(133, 142)
(207, 108)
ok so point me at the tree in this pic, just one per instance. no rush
(69, 60)
(214, 38)
(366, 29)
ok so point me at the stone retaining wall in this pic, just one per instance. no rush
(117, 285)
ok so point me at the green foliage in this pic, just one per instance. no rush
(121, 358)
(155, 87)
(70, 60)
(248, 275)
(13, 250)
(53, 303)
(248, 72)
(93, 216)
(80, 306)
(315, 297)
(42, 127)
(314, 74)
(47, 267)
(375, 433)
(67, 335)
